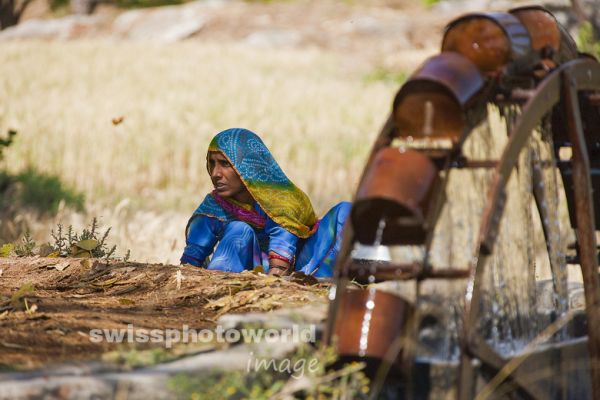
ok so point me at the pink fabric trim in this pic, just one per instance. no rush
(249, 216)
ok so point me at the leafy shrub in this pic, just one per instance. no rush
(26, 247)
(58, 4)
(33, 189)
(586, 40)
(45, 192)
(4, 143)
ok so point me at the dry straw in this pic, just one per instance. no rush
(133, 121)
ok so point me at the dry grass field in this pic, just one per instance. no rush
(144, 175)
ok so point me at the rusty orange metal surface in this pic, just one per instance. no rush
(547, 36)
(396, 188)
(541, 25)
(432, 102)
(489, 40)
(369, 321)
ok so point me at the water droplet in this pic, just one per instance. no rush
(379, 233)
(332, 291)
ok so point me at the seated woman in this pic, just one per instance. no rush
(257, 217)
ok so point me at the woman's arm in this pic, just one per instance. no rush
(201, 236)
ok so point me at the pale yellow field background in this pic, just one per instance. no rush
(316, 111)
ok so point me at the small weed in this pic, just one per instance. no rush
(6, 249)
(89, 243)
(26, 247)
(18, 300)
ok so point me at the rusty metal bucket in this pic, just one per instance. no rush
(369, 322)
(548, 37)
(396, 189)
(434, 100)
(490, 40)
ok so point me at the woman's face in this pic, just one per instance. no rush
(225, 179)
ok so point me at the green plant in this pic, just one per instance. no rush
(272, 381)
(381, 74)
(4, 143)
(586, 40)
(33, 189)
(45, 192)
(134, 358)
(58, 4)
(6, 249)
(89, 243)
(18, 300)
(26, 247)
(430, 3)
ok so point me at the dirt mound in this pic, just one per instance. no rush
(48, 306)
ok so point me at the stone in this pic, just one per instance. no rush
(162, 24)
(70, 27)
(274, 38)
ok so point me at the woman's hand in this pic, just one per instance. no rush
(277, 265)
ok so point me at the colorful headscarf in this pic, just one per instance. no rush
(280, 199)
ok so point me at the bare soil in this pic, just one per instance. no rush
(51, 323)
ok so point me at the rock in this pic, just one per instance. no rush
(464, 6)
(364, 24)
(460, 6)
(70, 27)
(163, 24)
(274, 38)
(277, 319)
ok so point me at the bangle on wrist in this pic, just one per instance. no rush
(275, 256)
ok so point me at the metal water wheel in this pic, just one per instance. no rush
(523, 66)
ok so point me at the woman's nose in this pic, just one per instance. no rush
(216, 172)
